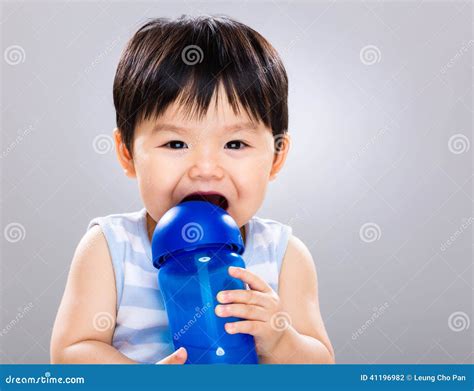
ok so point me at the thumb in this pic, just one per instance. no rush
(178, 357)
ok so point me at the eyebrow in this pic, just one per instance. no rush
(180, 129)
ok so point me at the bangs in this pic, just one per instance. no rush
(188, 61)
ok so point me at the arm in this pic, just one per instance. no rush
(86, 318)
(306, 339)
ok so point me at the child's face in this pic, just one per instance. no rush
(207, 155)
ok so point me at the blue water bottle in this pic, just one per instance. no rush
(193, 245)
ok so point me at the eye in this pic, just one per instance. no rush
(175, 144)
(236, 144)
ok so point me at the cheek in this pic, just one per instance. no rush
(155, 171)
(157, 178)
(260, 166)
(252, 177)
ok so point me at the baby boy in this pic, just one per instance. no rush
(202, 113)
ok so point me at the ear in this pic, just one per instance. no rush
(283, 141)
(123, 155)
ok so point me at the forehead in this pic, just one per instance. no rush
(220, 117)
(219, 113)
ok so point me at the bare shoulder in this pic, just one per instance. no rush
(298, 291)
(92, 263)
(298, 271)
(92, 243)
(88, 304)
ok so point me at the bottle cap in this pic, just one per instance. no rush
(191, 225)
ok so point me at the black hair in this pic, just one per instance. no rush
(187, 59)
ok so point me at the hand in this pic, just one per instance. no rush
(260, 306)
(178, 357)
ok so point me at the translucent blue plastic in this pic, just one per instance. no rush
(193, 246)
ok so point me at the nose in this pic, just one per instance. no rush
(206, 165)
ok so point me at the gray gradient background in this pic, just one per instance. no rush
(370, 145)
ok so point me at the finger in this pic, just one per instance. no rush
(245, 296)
(244, 311)
(254, 281)
(252, 327)
(178, 357)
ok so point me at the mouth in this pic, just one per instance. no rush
(212, 197)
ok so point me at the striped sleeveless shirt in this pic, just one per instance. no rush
(141, 331)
